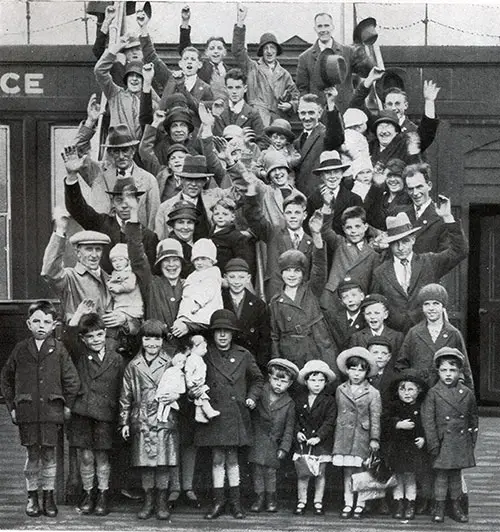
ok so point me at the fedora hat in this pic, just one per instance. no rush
(357, 352)
(89, 237)
(330, 69)
(267, 38)
(120, 136)
(388, 116)
(168, 247)
(330, 160)
(399, 226)
(365, 32)
(394, 77)
(125, 185)
(195, 167)
(281, 126)
(224, 319)
(316, 366)
(183, 210)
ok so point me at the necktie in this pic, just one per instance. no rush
(303, 139)
(121, 172)
(406, 277)
(296, 240)
(350, 322)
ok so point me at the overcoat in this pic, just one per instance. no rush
(450, 421)
(273, 428)
(233, 377)
(231, 243)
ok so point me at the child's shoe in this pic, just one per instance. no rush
(300, 509)
(87, 505)
(457, 513)
(258, 504)
(148, 508)
(49, 504)
(162, 512)
(399, 509)
(199, 416)
(32, 507)
(235, 502)
(102, 505)
(272, 502)
(438, 512)
(318, 508)
(410, 510)
(209, 411)
(218, 504)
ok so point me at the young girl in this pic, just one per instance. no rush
(404, 439)
(357, 430)
(155, 445)
(314, 425)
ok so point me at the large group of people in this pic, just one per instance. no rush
(244, 289)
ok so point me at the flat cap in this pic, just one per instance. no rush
(89, 237)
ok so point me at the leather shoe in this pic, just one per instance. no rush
(101, 505)
(49, 504)
(457, 513)
(192, 499)
(410, 510)
(399, 508)
(216, 511)
(346, 513)
(32, 507)
(318, 508)
(300, 509)
(438, 512)
(272, 502)
(87, 504)
(358, 512)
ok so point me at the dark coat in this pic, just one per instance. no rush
(233, 377)
(90, 219)
(395, 337)
(273, 428)
(316, 421)
(39, 384)
(426, 268)
(305, 180)
(255, 333)
(401, 202)
(247, 118)
(231, 243)
(450, 421)
(433, 234)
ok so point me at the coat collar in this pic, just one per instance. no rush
(47, 348)
(235, 357)
(155, 371)
(454, 397)
(345, 389)
(101, 277)
(283, 400)
(442, 340)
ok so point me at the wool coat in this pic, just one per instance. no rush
(313, 147)
(358, 420)
(450, 419)
(418, 348)
(362, 337)
(39, 384)
(273, 428)
(404, 309)
(233, 377)
(298, 329)
(154, 443)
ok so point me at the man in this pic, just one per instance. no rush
(396, 99)
(400, 277)
(357, 62)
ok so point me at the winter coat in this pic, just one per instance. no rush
(233, 377)
(433, 234)
(39, 384)
(316, 421)
(358, 420)
(450, 419)
(273, 428)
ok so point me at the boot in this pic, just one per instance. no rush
(399, 508)
(410, 510)
(438, 512)
(148, 507)
(457, 513)
(192, 499)
(218, 504)
(87, 504)
(383, 507)
(272, 503)
(235, 503)
(209, 411)
(199, 416)
(422, 506)
(32, 507)
(162, 512)
(101, 505)
(258, 505)
(49, 504)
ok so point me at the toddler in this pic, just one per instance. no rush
(172, 382)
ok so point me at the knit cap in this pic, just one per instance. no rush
(119, 250)
(433, 292)
(292, 258)
(204, 247)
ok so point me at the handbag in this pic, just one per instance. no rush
(307, 464)
(377, 467)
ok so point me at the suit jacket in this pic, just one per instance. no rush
(247, 118)
(425, 268)
(305, 180)
(336, 318)
(433, 234)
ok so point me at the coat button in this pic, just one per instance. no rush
(460, 391)
(252, 330)
(172, 299)
(462, 416)
(447, 418)
(289, 318)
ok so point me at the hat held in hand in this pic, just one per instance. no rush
(330, 69)
(365, 32)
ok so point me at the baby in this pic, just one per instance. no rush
(172, 381)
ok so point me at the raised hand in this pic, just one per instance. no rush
(148, 73)
(443, 207)
(331, 94)
(241, 14)
(248, 135)
(141, 18)
(375, 74)
(431, 90)
(185, 15)
(206, 116)
(326, 194)
(413, 142)
(158, 118)
(316, 222)
(218, 107)
(109, 17)
(72, 162)
(93, 109)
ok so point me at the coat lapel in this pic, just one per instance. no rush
(392, 280)
(310, 141)
(423, 333)
(416, 270)
(47, 348)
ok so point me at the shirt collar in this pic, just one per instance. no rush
(324, 46)
(299, 232)
(236, 108)
(419, 211)
(410, 258)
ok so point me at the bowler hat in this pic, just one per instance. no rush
(285, 364)
(237, 265)
(433, 292)
(365, 32)
(387, 116)
(449, 352)
(372, 299)
(292, 258)
(195, 167)
(178, 114)
(398, 227)
(120, 136)
(281, 126)
(168, 247)
(330, 69)
(125, 185)
(183, 210)
(89, 237)
(357, 352)
(224, 319)
(347, 283)
(393, 77)
(267, 38)
(316, 366)
(330, 160)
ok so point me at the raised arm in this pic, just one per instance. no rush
(147, 152)
(53, 267)
(318, 269)
(238, 48)
(185, 29)
(334, 135)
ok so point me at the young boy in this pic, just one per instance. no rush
(95, 412)
(39, 383)
(381, 349)
(273, 426)
(431, 334)
(250, 310)
(450, 419)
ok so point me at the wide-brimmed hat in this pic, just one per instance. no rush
(330, 69)
(183, 210)
(224, 319)
(273, 160)
(387, 116)
(449, 352)
(125, 185)
(433, 292)
(89, 237)
(357, 352)
(354, 117)
(267, 38)
(281, 126)
(407, 375)
(204, 247)
(365, 32)
(195, 167)
(398, 227)
(330, 160)
(120, 136)
(133, 66)
(347, 283)
(285, 364)
(237, 265)
(316, 366)
(393, 77)
(179, 115)
(292, 258)
(372, 299)
(168, 247)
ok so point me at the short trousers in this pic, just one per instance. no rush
(43, 434)
(88, 433)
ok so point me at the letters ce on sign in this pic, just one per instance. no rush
(21, 83)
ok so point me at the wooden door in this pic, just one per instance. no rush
(489, 308)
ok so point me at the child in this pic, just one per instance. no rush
(357, 431)
(172, 382)
(404, 441)
(234, 397)
(450, 418)
(273, 425)
(381, 349)
(314, 426)
(230, 242)
(39, 383)
(201, 296)
(298, 329)
(155, 443)
(431, 334)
